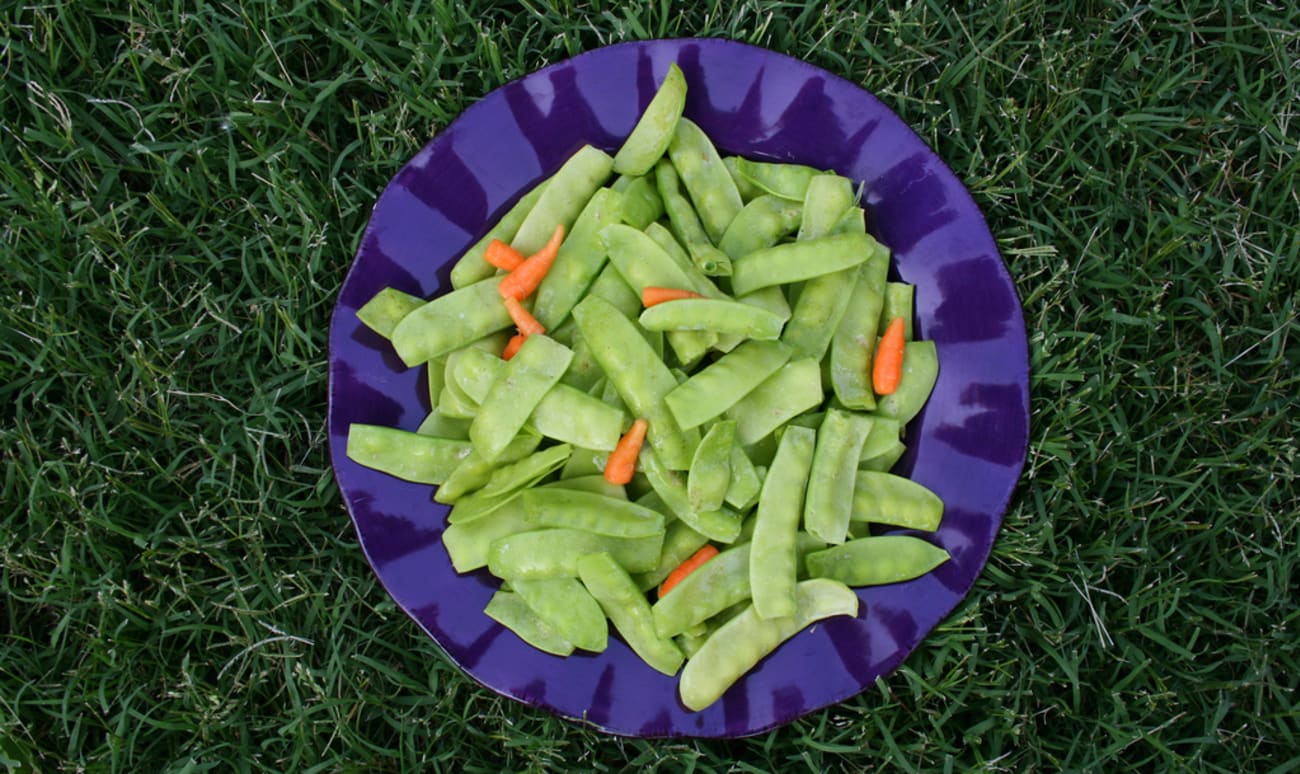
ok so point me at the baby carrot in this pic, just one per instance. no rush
(652, 295)
(887, 370)
(524, 278)
(686, 568)
(622, 461)
(525, 322)
(502, 255)
(513, 346)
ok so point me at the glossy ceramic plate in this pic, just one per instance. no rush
(968, 445)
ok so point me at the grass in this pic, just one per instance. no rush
(182, 190)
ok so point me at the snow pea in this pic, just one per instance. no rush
(761, 223)
(710, 473)
(641, 203)
(529, 375)
(665, 239)
(744, 486)
(722, 525)
(470, 267)
(884, 460)
(709, 314)
(594, 484)
(640, 376)
(450, 322)
(568, 607)
(797, 261)
(855, 336)
(875, 561)
(789, 181)
(510, 610)
(769, 298)
(680, 542)
(705, 178)
(474, 471)
(386, 309)
(584, 462)
(608, 581)
(686, 223)
(818, 311)
(568, 192)
(773, 560)
(554, 553)
(440, 426)
(467, 543)
(569, 508)
(899, 298)
(721, 385)
(884, 498)
(409, 456)
(739, 644)
(454, 403)
(831, 480)
(920, 372)
(828, 197)
(793, 389)
(654, 130)
(611, 287)
(854, 220)
(748, 191)
(579, 260)
(507, 483)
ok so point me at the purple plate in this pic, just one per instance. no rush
(968, 445)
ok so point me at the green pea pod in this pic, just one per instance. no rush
(386, 309)
(579, 260)
(876, 561)
(641, 203)
(474, 472)
(569, 608)
(748, 191)
(774, 559)
(594, 484)
(711, 588)
(920, 372)
(409, 456)
(640, 376)
(831, 480)
(642, 263)
(439, 426)
(788, 181)
(828, 197)
(450, 322)
(770, 299)
(467, 543)
(654, 130)
(554, 553)
(470, 267)
(455, 404)
(898, 303)
(530, 374)
(627, 608)
(710, 473)
(560, 507)
(612, 288)
(762, 223)
(568, 192)
(685, 221)
(884, 460)
(798, 261)
(705, 178)
(885, 432)
(794, 388)
(584, 373)
(584, 462)
(722, 525)
(665, 239)
(884, 498)
(510, 610)
(508, 482)
(853, 221)
(708, 314)
(855, 336)
(726, 382)
(680, 542)
(738, 645)
(818, 312)
(744, 486)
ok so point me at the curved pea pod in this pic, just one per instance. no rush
(744, 486)
(567, 193)
(875, 561)
(713, 587)
(594, 484)
(708, 314)
(627, 608)
(612, 288)
(855, 336)
(705, 178)
(831, 481)
(705, 258)
(654, 130)
(738, 645)
(796, 387)
(885, 432)
(510, 610)
(471, 267)
(641, 203)
(722, 525)
(639, 375)
(788, 181)
(899, 302)
(584, 462)
(760, 224)
(884, 498)
(569, 608)
(467, 544)
(440, 426)
(529, 375)
(508, 482)
(710, 473)
(719, 386)
(853, 220)
(554, 553)
(450, 322)
(797, 261)
(680, 542)
(409, 456)
(920, 372)
(579, 260)
(561, 507)
(386, 309)
(828, 197)
(474, 471)
(885, 460)
(709, 259)
(665, 239)
(642, 262)
(774, 558)
(748, 191)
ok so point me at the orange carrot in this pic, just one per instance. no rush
(887, 370)
(502, 255)
(513, 346)
(622, 461)
(525, 322)
(524, 278)
(686, 568)
(652, 295)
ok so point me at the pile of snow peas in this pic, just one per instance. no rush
(767, 447)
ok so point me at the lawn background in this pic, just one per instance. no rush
(183, 186)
